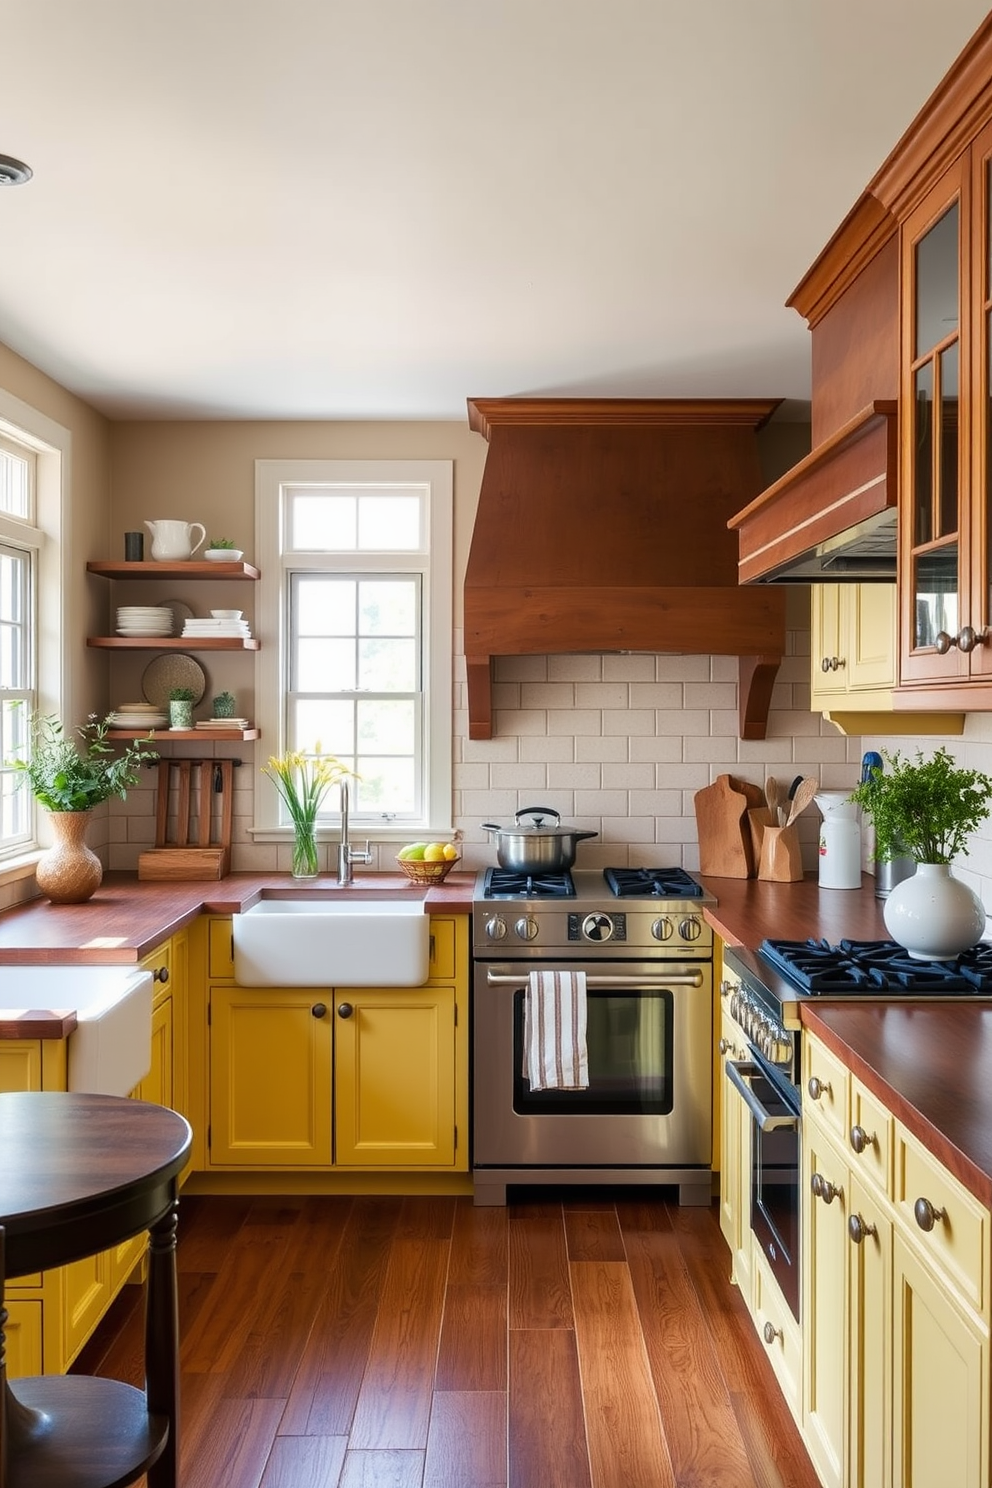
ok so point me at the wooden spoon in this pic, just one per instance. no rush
(773, 796)
(805, 791)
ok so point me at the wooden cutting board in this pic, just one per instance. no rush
(724, 832)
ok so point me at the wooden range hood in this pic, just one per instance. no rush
(602, 526)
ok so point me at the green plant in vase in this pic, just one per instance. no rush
(181, 701)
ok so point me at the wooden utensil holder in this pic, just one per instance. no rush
(781, 860)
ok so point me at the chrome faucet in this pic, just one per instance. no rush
(348, 855)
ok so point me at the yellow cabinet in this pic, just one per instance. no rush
(735, 1162)
(896, 1316)
(394, 1077)
(270, 1077)
(853, 645)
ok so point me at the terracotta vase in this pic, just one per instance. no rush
(68, 872)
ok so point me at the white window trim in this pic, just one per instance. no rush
(54, 689)
(270, 680)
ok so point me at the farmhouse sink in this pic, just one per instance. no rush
(325, 943)
(110, 1049)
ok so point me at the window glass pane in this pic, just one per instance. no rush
(15, 613)
(385, 726)
(16, 472)
(936, 594)
(319, 520)
(387, 666)
(326, 722)
(388, 607)
(923, 456)
(949, 441)
(386, 785)
(325, 666)
(937, 283)
(389, 523)
(325, 606)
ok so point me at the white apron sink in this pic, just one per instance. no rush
(110, 1049)
(332, 942)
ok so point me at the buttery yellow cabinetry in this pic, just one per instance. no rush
(896, 1313)
(53, 1313)
(337, 1077)
(735, 1162)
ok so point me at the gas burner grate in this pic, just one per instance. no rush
(500, 882)
(877, 965)
(658, 883)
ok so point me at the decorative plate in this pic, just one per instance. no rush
(172, 669)
(180, 611)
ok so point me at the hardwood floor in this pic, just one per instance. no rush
(568, 1341)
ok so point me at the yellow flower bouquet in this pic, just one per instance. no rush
(303, 781)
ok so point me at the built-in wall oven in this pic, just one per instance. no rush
(766, 988)
(645, 950)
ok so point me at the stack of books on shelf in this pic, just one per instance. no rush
(220, 723)
(202, 629)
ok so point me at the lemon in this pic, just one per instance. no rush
(450, 851)
(434, 852)
(415, 853)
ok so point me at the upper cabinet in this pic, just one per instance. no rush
(944, 472)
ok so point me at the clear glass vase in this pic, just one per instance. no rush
(305, 851)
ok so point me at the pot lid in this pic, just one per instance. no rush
(538, 827)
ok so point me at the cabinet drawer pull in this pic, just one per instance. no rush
(817, 1087)
(860, 1140)
(319, 1010)
(345, 1009)
(161, 974)
(926, 1215)
(823, 1189)
(769, 1332)
(858, 1228)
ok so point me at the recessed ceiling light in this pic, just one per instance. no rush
(13, 172)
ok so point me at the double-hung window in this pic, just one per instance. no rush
(355, 600)
(19, 544)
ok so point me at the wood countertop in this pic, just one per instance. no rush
(751, 909)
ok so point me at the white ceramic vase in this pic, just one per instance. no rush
(933, 914)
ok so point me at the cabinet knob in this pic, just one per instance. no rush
(926, 1215)
(966, 639)
(769, 1333)
(161, 974)
(319, 1010)
(817, 1087)
(723, 1045)
(823, 1189)
(860, 1140)
(857, 1228)
(831, 663)
(345, 1009)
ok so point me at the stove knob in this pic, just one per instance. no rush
(597, 927)
(526, 927)
(690, 928)
(662, 928)
(496, 928)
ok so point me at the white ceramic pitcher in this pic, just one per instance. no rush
(172, 542)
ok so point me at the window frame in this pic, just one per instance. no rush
(433, 563)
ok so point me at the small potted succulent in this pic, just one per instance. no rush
(223, 550)
(224, 705)
(928, 808)
(181, 707)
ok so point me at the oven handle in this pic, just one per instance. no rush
(675, 979)
(737, 1071)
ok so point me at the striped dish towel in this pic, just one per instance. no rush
(555, 1055)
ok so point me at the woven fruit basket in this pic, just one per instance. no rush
(420, 872)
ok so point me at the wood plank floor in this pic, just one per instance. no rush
(569, 1341)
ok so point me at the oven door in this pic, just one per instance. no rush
(775, 1142)
(649, 1096)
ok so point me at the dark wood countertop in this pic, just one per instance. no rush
(750, 909)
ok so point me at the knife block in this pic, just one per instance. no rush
(781, 859)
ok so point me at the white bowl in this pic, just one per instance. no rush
(226, 614)
(223, 555)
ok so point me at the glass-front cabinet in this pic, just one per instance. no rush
(945, 562)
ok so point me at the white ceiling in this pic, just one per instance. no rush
(377, 208)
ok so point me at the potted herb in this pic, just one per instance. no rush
(69, 779)
(928, 808)
(223, 550)
(181, 707)
(224, 705)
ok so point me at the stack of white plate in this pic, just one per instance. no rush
(144, 620)
(141, 716)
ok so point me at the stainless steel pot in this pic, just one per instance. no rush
(536, 848)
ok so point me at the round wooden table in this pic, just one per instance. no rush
(78, 1174)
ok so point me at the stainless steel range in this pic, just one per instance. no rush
(644, 950)
(766, 989)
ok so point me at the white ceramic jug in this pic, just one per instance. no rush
(840, 842)
(172, 542)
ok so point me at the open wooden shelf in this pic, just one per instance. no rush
(174, 643)
(151, 570)
(164, 735)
